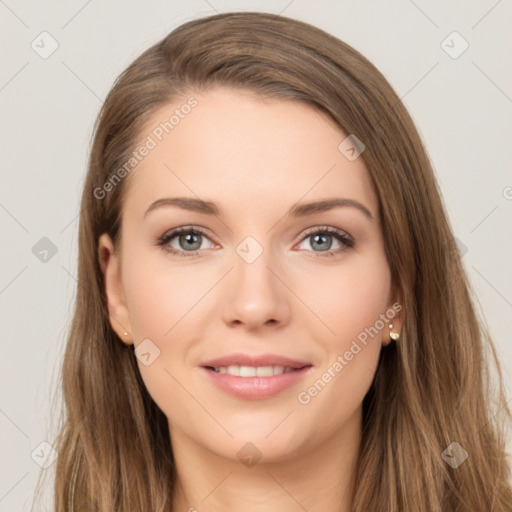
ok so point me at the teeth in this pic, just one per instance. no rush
(254, 371)
(245, 371)
(264, 371)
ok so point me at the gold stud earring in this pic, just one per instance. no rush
(393, 335)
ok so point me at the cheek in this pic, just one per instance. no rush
(165, 307)
(351, 304)
(353, 309)
(161, 301)
(349, 301)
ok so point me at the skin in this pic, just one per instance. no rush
(256, 159)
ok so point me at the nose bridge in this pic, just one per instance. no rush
(257, 294)
(252, 264)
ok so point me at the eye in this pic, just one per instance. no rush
(186, 238)
(322, 239)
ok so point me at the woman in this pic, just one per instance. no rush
(317, 349)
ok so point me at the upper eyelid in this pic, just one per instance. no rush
(171, 233)
(327, 229)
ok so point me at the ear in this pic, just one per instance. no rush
(118, 312)
(398, 306)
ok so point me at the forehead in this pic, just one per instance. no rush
(241, 149)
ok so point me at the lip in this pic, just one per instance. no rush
(255, 388)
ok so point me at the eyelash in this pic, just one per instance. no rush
(163, 241)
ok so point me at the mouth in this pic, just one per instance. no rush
(255, 377)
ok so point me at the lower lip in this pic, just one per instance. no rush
(256, 388)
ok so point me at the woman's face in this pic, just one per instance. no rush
(262, 321)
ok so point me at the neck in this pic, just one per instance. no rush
(319, 479)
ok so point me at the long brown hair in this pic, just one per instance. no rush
(432, 388)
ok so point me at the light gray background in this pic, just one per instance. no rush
(462, 108)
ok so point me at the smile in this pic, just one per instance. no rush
(255, 377)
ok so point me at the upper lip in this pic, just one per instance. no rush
(255, 360)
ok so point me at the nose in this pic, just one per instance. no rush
(257, 295)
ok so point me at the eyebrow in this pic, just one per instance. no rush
(299, 210)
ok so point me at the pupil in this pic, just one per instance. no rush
(190, 238)
(317, 237)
